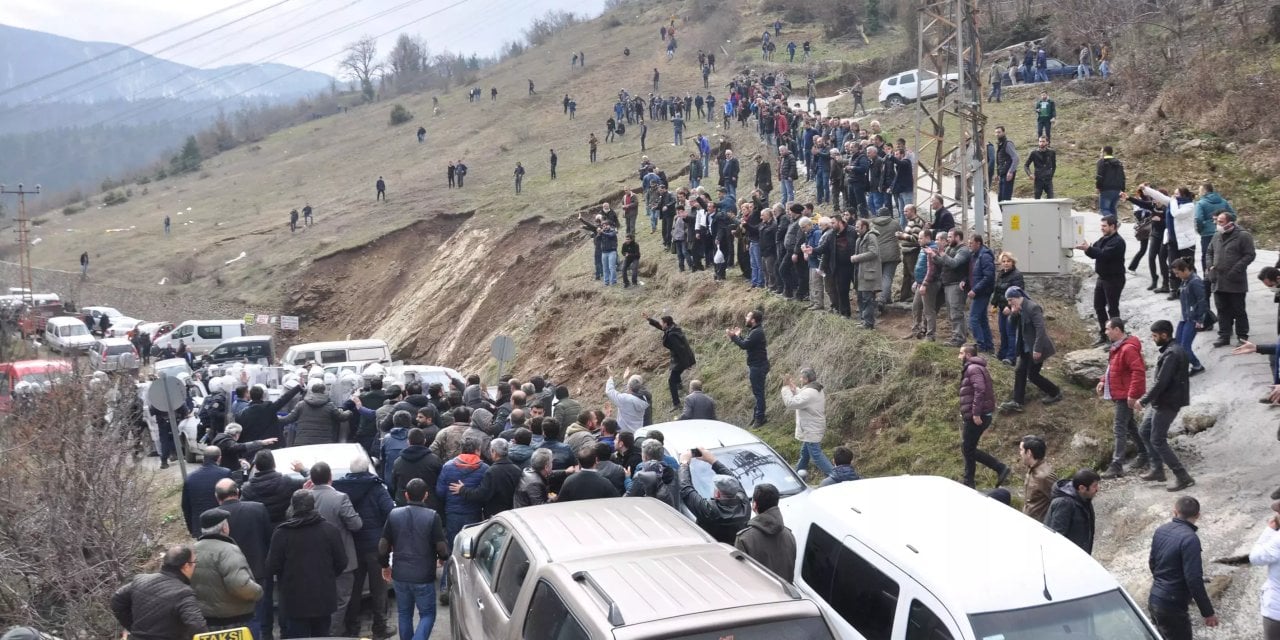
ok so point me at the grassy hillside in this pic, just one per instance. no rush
(439, 272)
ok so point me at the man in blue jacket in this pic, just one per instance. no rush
(198, 490)
(1177, 573)
(373, 504)
(982, 278)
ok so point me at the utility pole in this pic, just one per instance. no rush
(949, 44)
(24, 242)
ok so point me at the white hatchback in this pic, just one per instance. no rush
(909, 86)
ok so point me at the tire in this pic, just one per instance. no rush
(895, 100)
(951, 87)
(455, 626)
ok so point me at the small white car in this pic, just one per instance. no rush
(909, 86)
(120, 327)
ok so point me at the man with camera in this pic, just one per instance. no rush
(728, 510)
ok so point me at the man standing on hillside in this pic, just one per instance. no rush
(1006, 164)
(382, 190)
(1229, 256)
(755, 344)
(453, 171)
(84, 264)
(953, 265)
(293, 221)
(1042, 164)
(553, 164)
(1177, 573)
(1109, 182)
(460, 172)
(306, 215)
(1046, 115)
(1123, 383)
(729, 174)
(1108, 255)
(519, 173)
(682, 358)
(977, 402)
(1034, 346)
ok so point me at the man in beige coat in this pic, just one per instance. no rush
(810, 404)
(222, 580)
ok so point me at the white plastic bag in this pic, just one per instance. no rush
(719, 259)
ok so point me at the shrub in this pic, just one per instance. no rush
(400, 115)
(181, 270)
(113, 198)
(612, 22)
(71, 210)
(144, 180)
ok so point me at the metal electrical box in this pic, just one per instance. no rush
(1040, 233)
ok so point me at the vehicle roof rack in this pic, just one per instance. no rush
(615, 613)
(790, 589)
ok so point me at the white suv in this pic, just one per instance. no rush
(913, 85)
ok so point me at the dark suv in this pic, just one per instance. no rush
(248, 349)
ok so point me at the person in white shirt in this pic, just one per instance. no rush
(631, 406)
(1266, 553)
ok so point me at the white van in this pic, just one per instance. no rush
(68, 335)
(926, 557)
(339, 351)
(201, 336)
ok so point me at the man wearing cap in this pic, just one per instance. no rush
(1034, 346)
(728, 511)
(223, 580)
(307, 557)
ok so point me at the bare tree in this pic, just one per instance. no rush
(550, 23)
(361, 64)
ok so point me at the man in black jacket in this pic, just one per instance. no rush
(251, 529)
(1071, 511)
(259, 420)
(1168, 394)
(416, 461)
(682, 357)
(373, 504)
(307, 556)
(729, 174)
(1108, 255)
(233, 450)
(1109, 182)
(756, 346)
(162, 605)
(1042, 164)
(198, 490)
(727, 512)
(497, 488)
(586, 483)
(270, 487)
(1177, 573)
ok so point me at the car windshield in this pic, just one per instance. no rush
(751, 464)
(801, 629)
(1105, 616)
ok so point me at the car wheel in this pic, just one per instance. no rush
(895, 100)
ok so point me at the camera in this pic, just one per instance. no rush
(697, 453)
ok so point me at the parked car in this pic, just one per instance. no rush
(201, 336)
(171, 366)
(749, 458)
(926, 557)
(28, 371)
(427, 375)
(113, 316)
(120, 327)
(67, 335)
(909, 86)
(1054, 68)
(155, 329)
(616, 569)
(114, 354)
(338, 455)
(247, 349)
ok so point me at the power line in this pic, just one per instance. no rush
(124, 47)
(151, 56)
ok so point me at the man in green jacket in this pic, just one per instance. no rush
(1207, 209)
(223, 581)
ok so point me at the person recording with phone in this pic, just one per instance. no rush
(728, 510)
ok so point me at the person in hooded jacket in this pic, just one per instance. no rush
(682, 358)
(318, 420)
(728, 510)
(415, 461)
(887, 228)
(468, 469)
(1071, 511)
(766, 538)
(653, 478)
(479, 427)
(977, 402)
(1210, 204)
(496, 491)
(373, 504)
(393, 444)
(307, 557)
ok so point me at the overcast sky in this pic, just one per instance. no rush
(479, 26)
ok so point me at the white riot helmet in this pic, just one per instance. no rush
(374, 371)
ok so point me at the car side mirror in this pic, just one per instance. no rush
(468, 546)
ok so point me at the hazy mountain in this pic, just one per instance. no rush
(130, 74)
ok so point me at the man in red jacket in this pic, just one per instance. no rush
(1124, 383)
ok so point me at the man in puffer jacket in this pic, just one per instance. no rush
(416, 461)
(270, 487)
(393, 444)
(810, 405)
(1210, 204)
(160, 606)
(977, 402)
(468, 469)
(766, 538)
(318, 420)
(223, 581)
(1124, 383)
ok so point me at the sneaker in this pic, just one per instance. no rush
(1053, 399)
(1011, 406)
(1008, 361)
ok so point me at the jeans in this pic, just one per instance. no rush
(970, 451)
(1107, 201)
(679, 137)
(1041, 76)
(264, 612)
(1106, 299)
(653, 219)
(1044, 127)
(756, 375)
(757, 266)
(609, 262)
(867, 308)
(1123, 427)
(1029, 371)
(995, 92)
(887, 269)
(1008, 338)
(695, 182)
(812, 451)
(956, 300)
(1082, 71)
(518, 181)
(1185, 334)
(979, 325)
(632, 268)
(1231, 311)
(788, 190)
(1171, 623)
(368, 565)
(421, 595)
(1005, 191)
(901, 200)
(875, 200)
(824, 186)
(1155, 435)
(681, 255)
